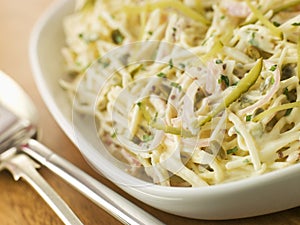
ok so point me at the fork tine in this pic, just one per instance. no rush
(21, 166)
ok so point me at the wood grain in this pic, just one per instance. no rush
(19, 204)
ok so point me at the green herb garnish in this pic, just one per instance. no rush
(117, 37)
(246, 161)
(296, 24)
(286, 91)
(224, 80)
(219, 61)
(176, 85)
(162, 75)
(232, 151)
(273, 68)
(288, 112)
(147, 138)
(248, 118)
(88, 38)
(272, 81)
(155, 117)
(276, 24)
(80, 35)
(252, 41)
(171, 63)
(182, 65)
(114, 134)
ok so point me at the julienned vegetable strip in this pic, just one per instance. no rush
(298, 62)
(168, 4)
(88, 5)
(213, 51)
(199, 7)
(264, 20)
(276, 109)
(284, 6)
(171, 130)
(159, 126)
(243, 86)
(144, 111)
(245, 83)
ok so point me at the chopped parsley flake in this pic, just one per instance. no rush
(182, 65)
(224, 80)
(276, 24)
(219, 61)
(114, 134)
(232, 151)
(155, 117)
(273, 68)
(162, 75)
(139, 104)
(171, 63)
(286, 91)
(80, 35)
(296, 24)
(246, 161)
(88, 38)
(176, 85)
(252, 41)
(147, 138)
(117, 36)
(272, 81)
(288, 111)
(248, 118)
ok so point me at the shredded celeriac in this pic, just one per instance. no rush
(231, 114)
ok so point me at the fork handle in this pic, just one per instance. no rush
(113, 203)
(21, 166)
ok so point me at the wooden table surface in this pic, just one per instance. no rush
(19, 204)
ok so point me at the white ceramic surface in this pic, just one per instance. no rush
(250, 197)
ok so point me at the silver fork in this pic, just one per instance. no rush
(22, 166)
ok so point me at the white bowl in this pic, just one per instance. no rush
(263, 194)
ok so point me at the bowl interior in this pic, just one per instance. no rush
(244, 198)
